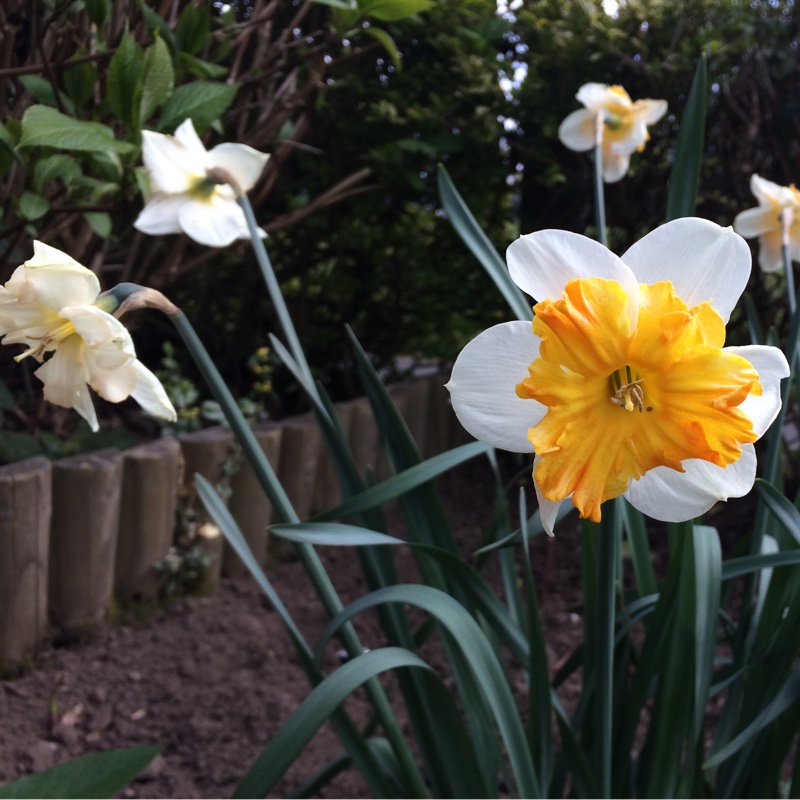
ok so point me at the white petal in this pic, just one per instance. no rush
(171, 165)
(97, 327)
(650, 111)
(65, 378)
(772, 366)
(214, 223)
(766, 192)
(770, 251)
(115, 384)
(615, 166)
(756, 221)
(662, 493)
(187, 136)
(577, 130)
(704, 262)
(150, 394)
(548, 509)
(24, 321)
(160, 214)
(53, 279)
(598, 96)
(244, 163)
(483, 386)
(542, 263)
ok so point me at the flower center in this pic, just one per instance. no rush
(627, 394)
(585, 447)
(202, 187)
(49, 341)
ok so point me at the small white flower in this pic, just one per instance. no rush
(765, 222)
(50, 304)
(184, 195)
(624, 125)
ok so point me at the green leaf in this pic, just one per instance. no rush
(46, 127)
(780, 507)
(80, 82)
(203, 69)
(788, 695)
(158, 26)
(98, 10)
(345, 5)
(125, 81)
(60, 166)
(389, 45)
(43, 91)
(479, 657)
(97, 775)
(478, 242)
(33, 206)
(333, 533)
(393, 10)
(191, 32)
(685, 177)
(6, 398)
(99, 222)
(297, 731)
(201, 101)
(158, 78)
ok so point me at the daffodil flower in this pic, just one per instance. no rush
(51, 305)
(613, 118)
(188, 193)
(766, 223)
(622, 384)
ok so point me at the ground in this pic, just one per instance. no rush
(211, 679)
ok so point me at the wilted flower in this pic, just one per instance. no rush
(188, 192)
(623, 125)
(623, 386)
(50, 304)
(765, 222)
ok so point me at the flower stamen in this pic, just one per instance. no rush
(627, 395)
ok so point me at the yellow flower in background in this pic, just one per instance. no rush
(622, 384)
(186, 196)
(51, 305)
(624, 125)
(765, 223)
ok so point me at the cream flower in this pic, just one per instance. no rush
(765, 222)
(622, 385)
(624, 125)
(186, 196)
(50, 304)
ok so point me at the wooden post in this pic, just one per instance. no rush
(300, 452)
(364, 437)
(150, 484)
(440, 413)
(25, 514)
(327, 492)
(207, 452)
(249, 504)
(83, 537)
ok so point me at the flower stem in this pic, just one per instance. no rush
(307, 554)
(787, 217)
(274, 289)
(599, 194)
(604, 647)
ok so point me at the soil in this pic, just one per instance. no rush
(212, 679)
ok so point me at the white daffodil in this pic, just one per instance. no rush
(622, 385)
(186, 195)
(50, 304)
(777, 206)
(624, 125)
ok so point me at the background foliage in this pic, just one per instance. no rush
(357, 107)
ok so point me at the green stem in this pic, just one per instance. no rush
(274, 289)
(604, 647)
(306, 553)
(786, 224)
(599, 192)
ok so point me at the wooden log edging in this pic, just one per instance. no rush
(74, 532)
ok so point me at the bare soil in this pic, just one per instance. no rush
(212, 679)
